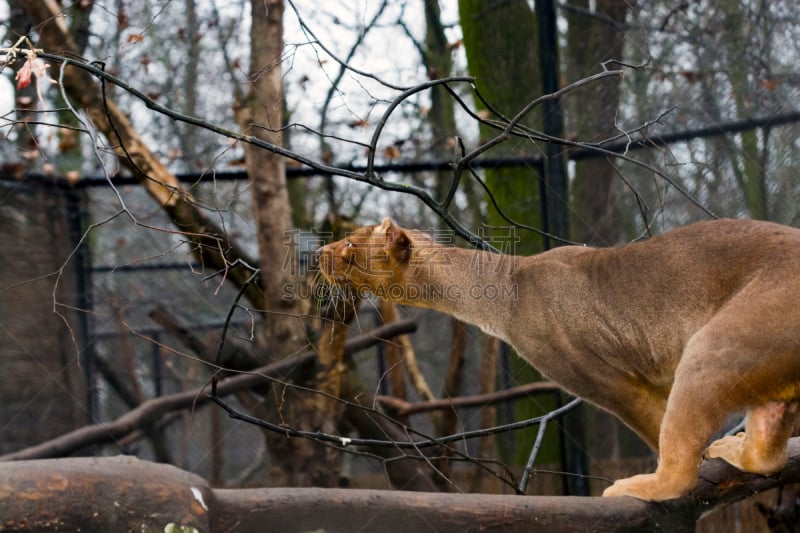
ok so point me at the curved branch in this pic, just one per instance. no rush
(510, 125)
(399, 100)
(405, 408)
(509, 128)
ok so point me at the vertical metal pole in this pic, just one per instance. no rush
(383, 385)
(156, 363)
(555, 173)
(77, 215)
(555, 197)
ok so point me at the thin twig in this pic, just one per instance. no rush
(424, 443)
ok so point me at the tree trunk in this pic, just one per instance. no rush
(44, 392)
(487, 384)
(189, 139)
(500, 39)
(591, 40)
(437, 58)
(260, 113)
(502, 54)
(746, 157)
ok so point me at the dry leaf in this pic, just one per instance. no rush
(391, 152)
(769, 84)
(358, 123)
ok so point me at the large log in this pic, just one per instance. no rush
(125, 493)
(94, 494)
(333, 510)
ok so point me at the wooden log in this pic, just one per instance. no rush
(125, 493)
(91, 494)
(377, 511)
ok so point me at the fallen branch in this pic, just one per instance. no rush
(150, 411)
(405, 408)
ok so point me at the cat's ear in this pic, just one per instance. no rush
(398, 243)
(385, 226)
(388, 228)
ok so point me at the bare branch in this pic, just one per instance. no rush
(508, 128)
(344, 63)
(415, 445)
(405, 408)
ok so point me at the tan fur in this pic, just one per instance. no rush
(671, 334)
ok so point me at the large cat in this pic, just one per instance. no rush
(671, 334)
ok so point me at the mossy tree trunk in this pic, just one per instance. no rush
(748, 159)
(501, 43)
(591, 40)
